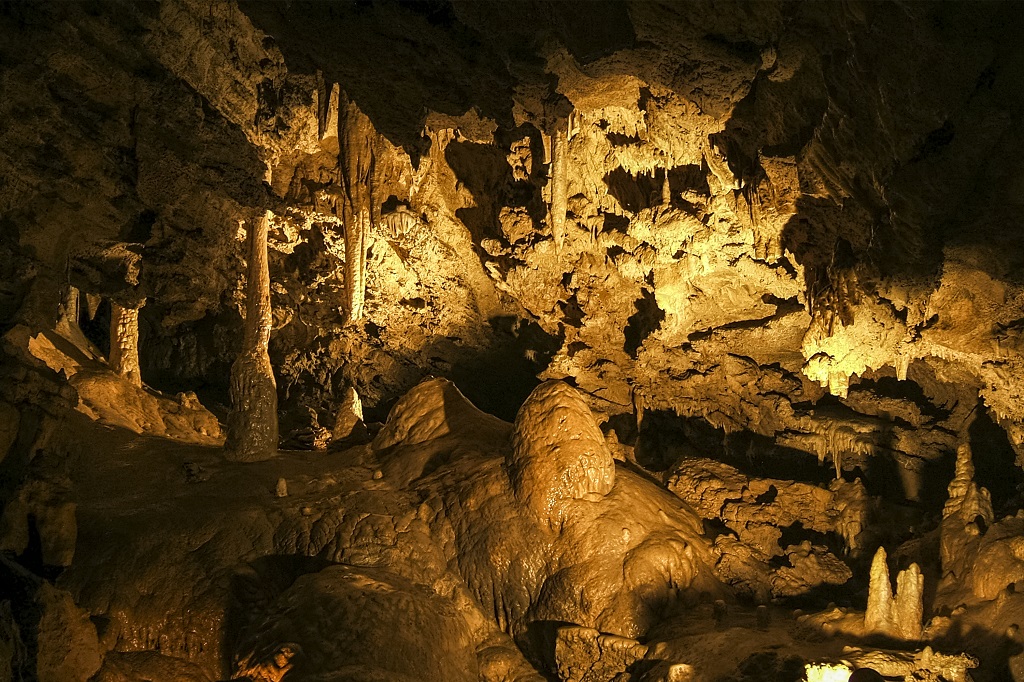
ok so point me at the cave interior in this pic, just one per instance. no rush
(522, 341)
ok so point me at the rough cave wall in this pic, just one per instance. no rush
(796, 221)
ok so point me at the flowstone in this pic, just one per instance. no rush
(544, 526)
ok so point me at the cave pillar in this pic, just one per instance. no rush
(356, 160)
(559, 180)
(252, 424)
(124, 342)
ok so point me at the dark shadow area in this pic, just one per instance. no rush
(196, 358)
(395, 59)
(252, 590)
(665, 437)
(995, 463)
(634, 192)
(19, 587)
(643, 323)
(498, 380)
(688, 178)
(12, 287)
(484, 171)
(769, 666)
(399, 59)
(911, 391)
(97, 327)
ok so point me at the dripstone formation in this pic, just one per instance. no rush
(628, 340)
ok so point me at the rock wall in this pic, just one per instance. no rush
(795, 221)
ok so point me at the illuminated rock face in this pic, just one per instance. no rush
(124, 343)
(754, 252)
(252, 424)
(558, 453)
(545, 528)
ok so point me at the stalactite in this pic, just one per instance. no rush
(559, 180)
(252, 424)
(356, 134)
(124, 342)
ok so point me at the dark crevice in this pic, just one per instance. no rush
(643, 323)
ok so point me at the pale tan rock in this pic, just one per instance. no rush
(925, 664)
(68, 649)
(810, 566)
(350, 415)
(898, 614)
(585, 655)
(124, 343)
(111, 400)
(968, 503)
(252, 424)
(431, 410)
(558, 453)
(356, 134)
(559, 180)
(997, 560)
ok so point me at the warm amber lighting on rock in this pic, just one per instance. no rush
(589, 341)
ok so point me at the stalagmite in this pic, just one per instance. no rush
(876, 618)
(356, 133)
(558, 452)
(559, 180)
(252, 424)
(898, 615)
(350, 415)
(124, 342)
(967, 513)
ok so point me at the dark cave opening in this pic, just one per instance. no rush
(634, 192)
(643, 323)
(665, 438)
(96, 327)
(995, 463)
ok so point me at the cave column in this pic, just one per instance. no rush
(124, 342)
(252, 425)
(559, 180)
(356, 160)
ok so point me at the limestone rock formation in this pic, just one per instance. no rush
(68, 648)
(558, 453)
(603, 550)
(399, 631)
(585, 655)
(124, 343)
(679, 311)
(252, 425)
(965, 517)
(350, 416)
(42, 509)
(897, 614)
